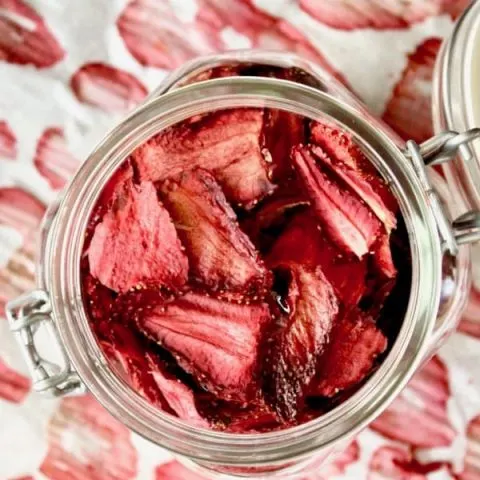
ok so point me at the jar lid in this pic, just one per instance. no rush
(456, 102)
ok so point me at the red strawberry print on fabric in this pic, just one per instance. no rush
(408, 111)
(107, 87)
(14, 386)
(8, 141)
(20, 216)
(53, 159)
(423, 403)
(380, 15)
(156, 37)
(25, 38)
(85, 441)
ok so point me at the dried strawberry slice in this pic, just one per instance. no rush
(8, 141)
(360, 186)
(291, 361)
(341, 149)
(227, 143)
(146, 374)
(179, 396)
(221, 256)
(282, 130)
(354, 345)
(214, 340)
(127, 353)
(343, 215)
(136, 243)
(302, 243)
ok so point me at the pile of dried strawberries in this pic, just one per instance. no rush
(238, 269)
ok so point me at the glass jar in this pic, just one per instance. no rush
(440, 265)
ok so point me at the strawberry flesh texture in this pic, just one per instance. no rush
(214, 340)
(344, 217)
(347, 275)
(226, 143)
(127, 354)
(291, 361)
(136, 243)
(359, 185)
(147, 375)
(221, 256)
(341, 149)
(354, 346)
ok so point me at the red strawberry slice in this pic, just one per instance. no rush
(14, 386)
(156, 37)
(471, 469)
(359, 185)
(227, 143)
(24, 37)
(131, 362)
(343, 216)
(53, 159)
(214, 340)
(409, 109)
(107, 87)
(397, 463)
(176, 471)
(8, 141)
(268, 221)
(136, 243)
(147, 375)
(255, 416)
(85, 441)
(355, 344)
(380, 15)
(295, 346)
(221, 256)
(303, 243)
(423, 403)
(282, 130)
(344, 153)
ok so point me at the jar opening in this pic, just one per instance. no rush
(66, 249)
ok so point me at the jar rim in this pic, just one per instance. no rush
(65, 249)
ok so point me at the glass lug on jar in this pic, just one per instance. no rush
(439, 231)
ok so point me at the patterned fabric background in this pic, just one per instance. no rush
(70, 69)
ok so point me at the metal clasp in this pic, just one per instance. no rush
(437, 150)
(26, 315)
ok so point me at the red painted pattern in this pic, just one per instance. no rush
(176, 471)
(378, 14)
(263, 30)
(25, 38)
(397, 463)
(23, 212)
(8, 141)
(107, 87)
(53, 159)
(470, 323)
(340, 462)
(156, 37)
(471, 469)
(14, 386)
(86, 443)
(409, 108)
(423, 403)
